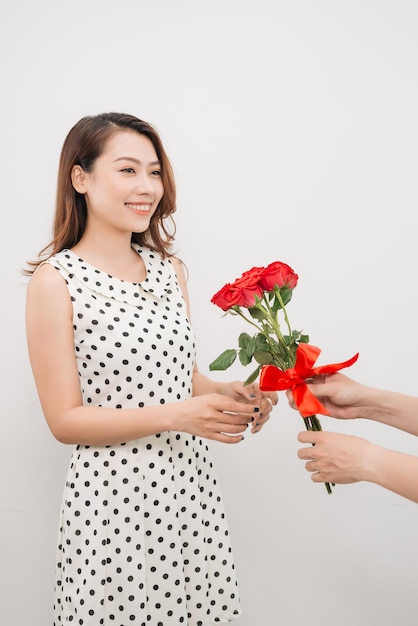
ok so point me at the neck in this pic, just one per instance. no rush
(113, 255)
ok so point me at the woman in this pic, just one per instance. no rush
(338, 458)
(143, 537)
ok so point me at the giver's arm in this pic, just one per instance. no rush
(394, 409)
(395, 471)
(345, 398)
(51, 352)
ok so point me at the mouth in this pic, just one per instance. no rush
(139, 209)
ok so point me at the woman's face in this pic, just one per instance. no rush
(124, 187)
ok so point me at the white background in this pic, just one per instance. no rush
(293, 130)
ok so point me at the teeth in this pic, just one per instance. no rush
(139, 207)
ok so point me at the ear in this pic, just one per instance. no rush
(78, 179)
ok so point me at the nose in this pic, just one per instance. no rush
(144, 184)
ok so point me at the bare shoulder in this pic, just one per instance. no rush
(47, 288)
(45, 277)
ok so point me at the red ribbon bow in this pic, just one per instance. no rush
(274, 379)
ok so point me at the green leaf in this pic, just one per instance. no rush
(257, 313)
(260, 340)
(244, 357)
(263, 357)
(251, 346)
(243, 340)
(296, 338)
(286, 295)
(280, 351)
(224, 360)
(252, 377)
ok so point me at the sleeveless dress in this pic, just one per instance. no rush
(143, 538)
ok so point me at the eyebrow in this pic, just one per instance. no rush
(128, 158)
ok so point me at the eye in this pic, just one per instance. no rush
(156, 173)
(128, 170)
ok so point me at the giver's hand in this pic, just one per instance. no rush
(251, 394)
(341, 396)
(215, 416)
(334, 458)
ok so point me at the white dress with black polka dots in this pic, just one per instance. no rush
(143, 538)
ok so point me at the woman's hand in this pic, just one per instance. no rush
(264, 401)
(215, 416)
(333, 457)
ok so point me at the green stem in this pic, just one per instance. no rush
(247, 319)
(280, 299)
(272, 318)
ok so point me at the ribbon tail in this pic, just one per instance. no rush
(334, 367)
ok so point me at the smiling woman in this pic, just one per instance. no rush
(122, 193)
(143, 535)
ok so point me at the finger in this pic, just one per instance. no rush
(256, 427)
(309, 436)
(256, 393)
(266, 405)
(305, 453)
(273, 397)
(236, 418)
(224, 438)
(246, 409)
(311, 466)
(317, 477)
(252, 394)
(291, 400)
(232, 429)
(259, 423)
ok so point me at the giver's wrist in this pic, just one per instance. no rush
(368, 403)
(373, 458)
(377, 404)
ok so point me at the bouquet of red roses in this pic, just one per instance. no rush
(284, 359)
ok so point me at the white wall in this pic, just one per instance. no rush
(293, 129)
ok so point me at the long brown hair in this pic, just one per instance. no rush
(85, 142)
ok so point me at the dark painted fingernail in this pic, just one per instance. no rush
(252, 395)
(256, 409)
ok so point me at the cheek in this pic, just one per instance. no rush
(159, 188)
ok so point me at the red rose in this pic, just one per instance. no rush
(279, 274)
(226, 297)
(241, 292)
(250, 277)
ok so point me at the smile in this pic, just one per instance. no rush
(139, 208)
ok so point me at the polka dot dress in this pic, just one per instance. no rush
(143, 538)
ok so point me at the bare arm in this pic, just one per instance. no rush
(345, 398)
(343, 459)
(51, 352)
